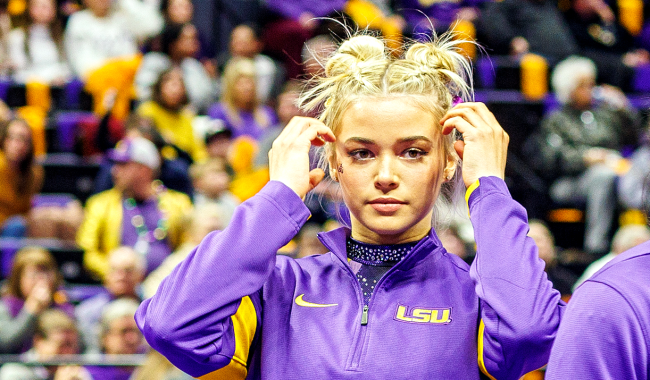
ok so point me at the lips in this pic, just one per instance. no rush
(386, 205)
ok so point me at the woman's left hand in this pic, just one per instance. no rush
(485, 144)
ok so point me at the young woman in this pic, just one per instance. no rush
(240, 108)
(179, 48)
(20, 176)
(36, 50)
(388, 301)
(31, 289)
(172, 118)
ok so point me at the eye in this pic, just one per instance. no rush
(360, 154)
(414, 153)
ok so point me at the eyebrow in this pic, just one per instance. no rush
(364, 140)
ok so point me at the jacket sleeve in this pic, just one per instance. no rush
(206, 312)
(520, 310)
(89, 237)
(600, 337)
(15, 331)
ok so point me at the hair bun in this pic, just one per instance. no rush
(433, 56)
(353, 53)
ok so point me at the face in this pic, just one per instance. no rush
(244, 90)
(58, 342)
(204, 226)
(32, 274)
(243, 42)
(393, 163)
(213, 183)
(42, 11)
(581, 97)
(544, 242)
(187, 44)
(124, 274)
(99, 8)
(18, 141)
(127, 174)
(287, 107)
(218, 147)
(172, 90)
(122, 337)
(180, 11)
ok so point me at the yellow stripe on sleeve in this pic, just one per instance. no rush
(244, 325)
(481, 362)
(469, 192)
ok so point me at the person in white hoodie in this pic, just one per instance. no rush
(36, 50)
(108, 29)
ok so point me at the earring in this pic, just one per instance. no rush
(340, 168)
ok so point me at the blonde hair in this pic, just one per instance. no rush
(435, 75)
(235, 69)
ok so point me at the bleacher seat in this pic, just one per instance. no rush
(68, 173)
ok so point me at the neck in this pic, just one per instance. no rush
(140, 193)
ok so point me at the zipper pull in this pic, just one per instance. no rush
(364, 315)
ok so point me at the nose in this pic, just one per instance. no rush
(386, 178)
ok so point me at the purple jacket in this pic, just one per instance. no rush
(234, 308)
(247, 124)
(605, 334)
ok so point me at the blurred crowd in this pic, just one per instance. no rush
(179, 121)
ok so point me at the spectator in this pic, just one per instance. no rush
(108, 29)
(580, 146)
(201, 222)
(287, 24)
(157, 366)
(287, 108)
(421, 17)
(605, 41)
(315, 53)
(218, 141)
(56, 334)
(520, 26)
(627, 237)
(20, 175)
(308, 243)
(36, 49)
(174, 164)
(30, 290)
(119, 336)
(562, 278)
(172, 119)
(182, 12)
(125, 273)
(211, 181)
(245, 42)
(179, 47)
(137, 212)
(239, 107)
(634, 186)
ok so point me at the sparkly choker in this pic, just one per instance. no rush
(378, 255)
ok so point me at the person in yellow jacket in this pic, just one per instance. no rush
(138, 211)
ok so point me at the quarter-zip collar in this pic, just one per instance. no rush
(335, 241)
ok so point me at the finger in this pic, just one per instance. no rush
(315, 177)
(469, 115)
(298, 125)
(459, 146)
(318, 134)
(476, 113)
(457, 122)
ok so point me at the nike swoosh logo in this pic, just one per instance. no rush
(301, 302)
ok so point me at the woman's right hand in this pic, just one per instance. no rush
(39, 298)
(289, 156)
